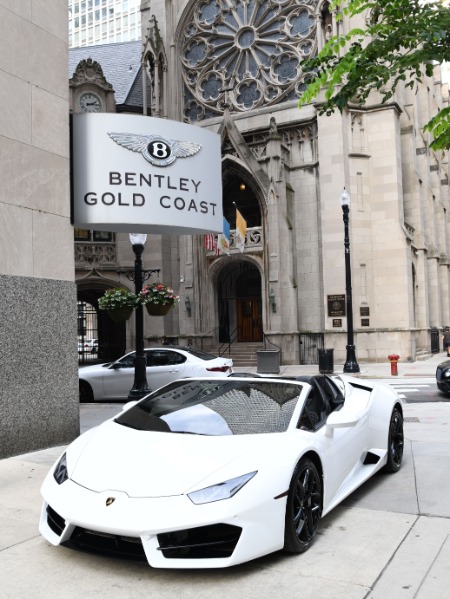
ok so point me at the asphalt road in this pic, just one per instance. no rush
(417, 390)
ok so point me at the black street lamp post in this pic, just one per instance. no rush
(351, 365)
(140, 386)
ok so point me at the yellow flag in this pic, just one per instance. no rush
(241, 228)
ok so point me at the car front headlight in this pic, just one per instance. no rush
(60, 473)
(221, 491)
(447, 373)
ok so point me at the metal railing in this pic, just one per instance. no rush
(227, 344)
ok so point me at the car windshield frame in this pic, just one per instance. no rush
(216, 407)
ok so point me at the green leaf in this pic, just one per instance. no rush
(401, 43)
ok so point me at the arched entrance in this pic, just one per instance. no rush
(96, 324)
(239, 303)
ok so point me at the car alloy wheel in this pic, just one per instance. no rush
(395, 442)
(303, 508)
(85, 391)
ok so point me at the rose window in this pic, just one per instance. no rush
(245, 54)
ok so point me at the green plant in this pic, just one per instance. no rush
(118, 298)
(157, 293)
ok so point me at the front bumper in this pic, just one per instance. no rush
(443, 382)
(168, 532)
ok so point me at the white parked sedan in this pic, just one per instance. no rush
(164, 365)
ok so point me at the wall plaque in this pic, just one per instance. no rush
(336, 305)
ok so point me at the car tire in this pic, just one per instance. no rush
(395, 442)
(86, 395)
(303, 507)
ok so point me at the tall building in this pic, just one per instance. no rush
(235, 68)
(38, 351)
(94, 22)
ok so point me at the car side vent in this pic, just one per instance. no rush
(204, 542)
(371, 458)
(358, 386)
(55, 521)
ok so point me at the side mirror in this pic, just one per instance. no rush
(338, 419)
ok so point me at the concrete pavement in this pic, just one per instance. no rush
(420, 368)
(389, 539)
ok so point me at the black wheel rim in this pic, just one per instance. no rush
(396, 436)
(306, 504)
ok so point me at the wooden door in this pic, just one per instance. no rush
(249, 315)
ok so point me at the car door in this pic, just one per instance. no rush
(118, 379)
(342, 447)
(164, 366)
(346, 445)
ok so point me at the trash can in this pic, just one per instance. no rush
(326, 361)
(268, 361)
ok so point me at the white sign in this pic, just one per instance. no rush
(146, 175)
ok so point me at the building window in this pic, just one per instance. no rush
(246, 57)
(93, 236)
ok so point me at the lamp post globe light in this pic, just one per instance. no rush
(140, 386)
(351, 365)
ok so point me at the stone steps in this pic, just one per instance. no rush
(242, 354)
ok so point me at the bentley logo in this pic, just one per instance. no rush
(156, 149)
(110, 501)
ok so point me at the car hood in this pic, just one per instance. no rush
(93, 368)
(444, 364)
(158, 464)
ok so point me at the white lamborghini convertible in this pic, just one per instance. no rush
(208, 473)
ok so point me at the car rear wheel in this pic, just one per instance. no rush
(303, 508)
(395, 442)
(86, 395)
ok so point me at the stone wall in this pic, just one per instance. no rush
(38, 337)
(39, 374)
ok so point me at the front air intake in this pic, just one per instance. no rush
(109, 544)
(204, 542)
(55, 522)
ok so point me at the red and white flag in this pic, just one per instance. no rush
(209, 242)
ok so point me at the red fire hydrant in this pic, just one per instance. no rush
(393, 359)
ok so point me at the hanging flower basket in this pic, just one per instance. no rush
(158, 309)
(120, 314)
(119, 303)
(158, 299)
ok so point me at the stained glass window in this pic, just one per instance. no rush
(245, 53)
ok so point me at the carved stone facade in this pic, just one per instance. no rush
(89, 77)
(245, 54)
(235, 68)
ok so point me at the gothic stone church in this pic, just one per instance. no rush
(234, 67)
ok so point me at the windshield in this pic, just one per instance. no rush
(229, 407)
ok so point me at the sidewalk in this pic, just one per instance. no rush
(422, 368)
(389, 539)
